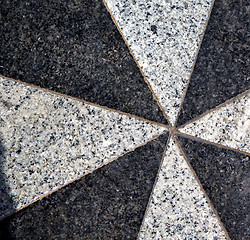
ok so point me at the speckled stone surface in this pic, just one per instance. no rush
(101, 164)
(73, 47)
(222, 67)
(106, 204)
(164, 37)
(178, 208)
(48, 140)
(228, 125)
(224, 175)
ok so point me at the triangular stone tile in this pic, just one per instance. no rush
(222, 67)
(48, 140)
(73, 48)
(106, 204)
(178, 208)
(224, 175)
(164, 37)
(228, 125)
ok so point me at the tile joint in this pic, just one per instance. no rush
(229, 101)
(85, 102)
(201, 187)
(78, 178)
(176, 132)
(137, 63)
(194, 63)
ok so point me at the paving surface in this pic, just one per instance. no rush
(124, 119)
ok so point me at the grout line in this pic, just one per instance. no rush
(208, 142)
(215, 108)
(83, 101)
(78, 178)
(144, 76)
(194, 63)
(169, 128)
(198, 181)
(155, 182)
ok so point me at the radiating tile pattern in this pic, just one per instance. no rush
(222, 68)
(224, 175)
(73, 47)
(178, 208)
(228, 125)
(103, 165)
(164, 37)
(48, 140)
(106, 204)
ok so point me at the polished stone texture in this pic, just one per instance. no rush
(178, 208)
(222, 67)
(106, 204)
(73, 47)
(228, 125)
(49, 140)
(164, 37)
(98, 173)
(224, 175)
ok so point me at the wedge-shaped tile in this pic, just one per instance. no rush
(74, 48)
(224, 175)
(221, 71)
(178, 208)
(48, 140)
(108, 203)
(164, 37)
(228, 125)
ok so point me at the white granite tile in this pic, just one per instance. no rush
(228, 125)
(48, 140)
(164, 36)
(178, 208)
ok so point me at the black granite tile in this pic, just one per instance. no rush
(224, 176)
(106, 204)
(222, 67)
(73, 47)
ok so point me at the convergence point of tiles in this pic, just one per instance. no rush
(184, 12)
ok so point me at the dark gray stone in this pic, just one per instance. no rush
(107, 204)
(222, 68)
(224, 176)
(73, 47)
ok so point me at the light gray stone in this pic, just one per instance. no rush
(228, 125)
(164, 36)
(49, 140)
(178, 208)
